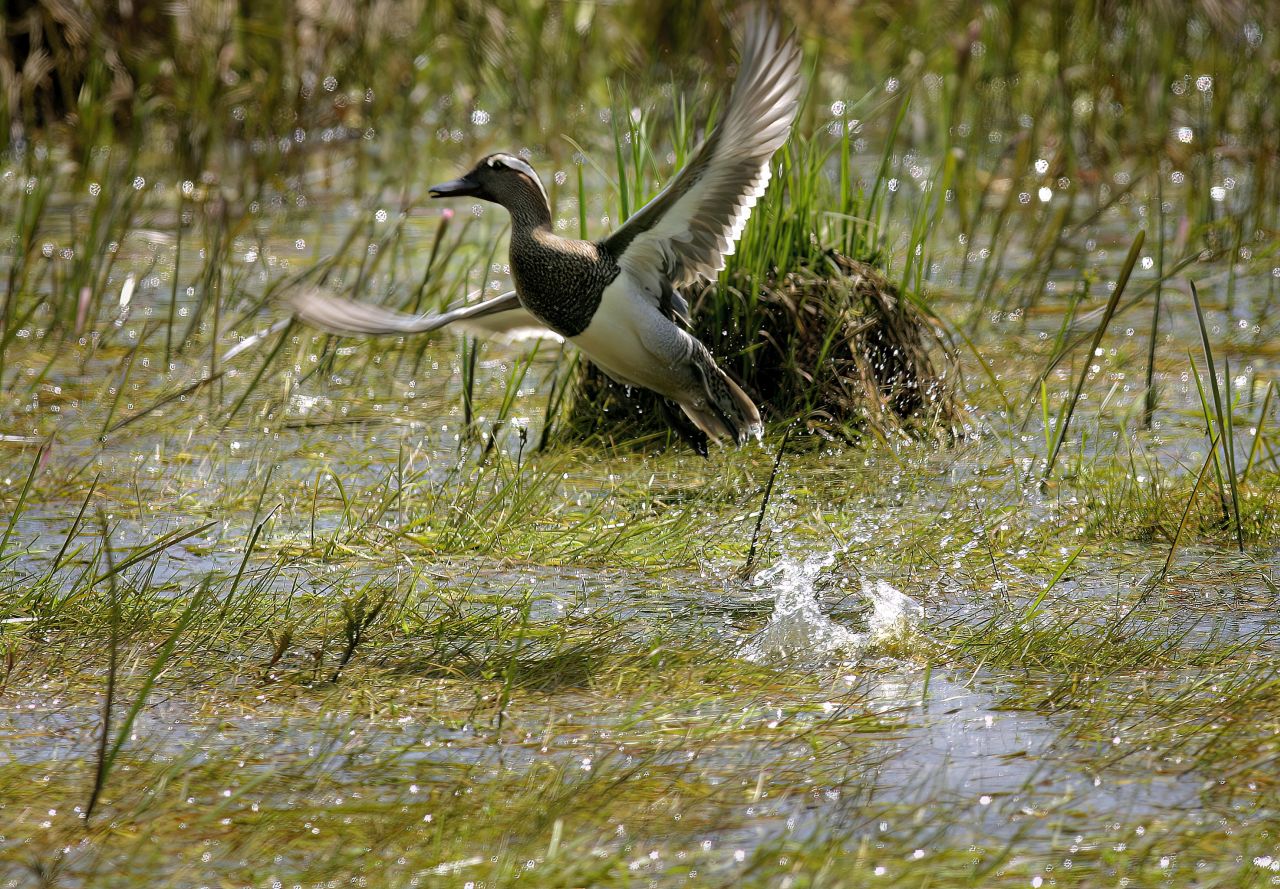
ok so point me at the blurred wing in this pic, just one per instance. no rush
(501, 317)
(508, 326)
(686, 231)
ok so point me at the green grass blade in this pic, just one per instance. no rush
(1257, 435)
(1125, 272)
(1224, 419)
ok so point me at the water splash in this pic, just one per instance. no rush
(799, 633)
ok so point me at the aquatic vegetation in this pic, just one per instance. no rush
(280, 607)
(838, 351)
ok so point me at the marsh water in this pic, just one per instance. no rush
(359, 619)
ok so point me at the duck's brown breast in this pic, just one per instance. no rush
(561, 281)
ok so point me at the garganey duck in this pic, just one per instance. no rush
(618, 299)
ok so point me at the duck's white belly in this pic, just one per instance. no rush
(631, 340)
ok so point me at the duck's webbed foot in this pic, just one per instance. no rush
(691, 434)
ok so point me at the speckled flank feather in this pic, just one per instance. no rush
(726, 411)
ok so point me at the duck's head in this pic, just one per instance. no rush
(499, 178)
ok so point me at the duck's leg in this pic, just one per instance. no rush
(672, 304)
(632, 341)
(691, 434)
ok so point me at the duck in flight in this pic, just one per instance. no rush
(618, 299)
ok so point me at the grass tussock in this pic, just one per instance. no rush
(836, 349)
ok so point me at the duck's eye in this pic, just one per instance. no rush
(497, 164)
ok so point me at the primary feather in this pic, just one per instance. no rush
(501, 316)
(693, 224)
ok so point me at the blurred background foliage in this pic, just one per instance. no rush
(204, 79)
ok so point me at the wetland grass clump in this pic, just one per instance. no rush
(814, 335)
(835, 348)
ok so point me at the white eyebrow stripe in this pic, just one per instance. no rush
(516, 163)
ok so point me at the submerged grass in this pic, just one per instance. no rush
(359, 612)
(468, 725)
(467, 718)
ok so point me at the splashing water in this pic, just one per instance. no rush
(799, 633)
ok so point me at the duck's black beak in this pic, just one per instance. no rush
(463, 187)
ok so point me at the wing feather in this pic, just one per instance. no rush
(686, 231)
(502, 317)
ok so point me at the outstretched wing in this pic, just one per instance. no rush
(501, 317)
(686, 231)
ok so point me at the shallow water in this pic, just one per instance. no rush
(837, 697)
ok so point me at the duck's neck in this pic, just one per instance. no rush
(529, 213)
